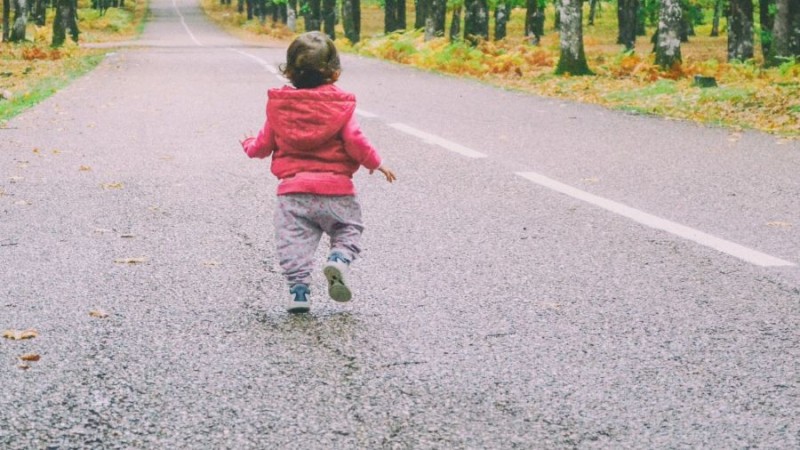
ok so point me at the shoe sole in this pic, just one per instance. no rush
(337, 290)
(298, 309)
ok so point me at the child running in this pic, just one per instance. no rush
(316, 147)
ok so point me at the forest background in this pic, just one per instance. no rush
(509, 47)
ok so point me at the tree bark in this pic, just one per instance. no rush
(476, 21)
(592, 10)
(786, 32)
(500, 21)
(39, 12)
(435, 11)
(715, 20)
(668, 43)
(20, 21)
(351, 16)
(421, 13)
(329, 18)
(312, 18)
(395, 18)
(627, 15)
(767, 20)
(455, 24)
(534, 22)
(572, 59)
(740, 30)
(6, 20)
(65, 20)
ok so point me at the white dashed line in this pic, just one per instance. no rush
(185, 26)
(705, 239)
(436, 140)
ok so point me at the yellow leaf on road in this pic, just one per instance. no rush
(17, 335)
(130, 260)
(85, 168)
(30, 357)
(779, 224)
(98, 313)
(115, 185)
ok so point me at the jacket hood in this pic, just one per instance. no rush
(307, 118)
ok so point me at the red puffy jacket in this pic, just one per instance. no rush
(314, 139)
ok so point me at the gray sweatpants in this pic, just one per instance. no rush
(300, 220)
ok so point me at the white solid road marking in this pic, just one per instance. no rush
(267, 66)
(367, 114)
(436, 140)
(185, 26)
(731, 248)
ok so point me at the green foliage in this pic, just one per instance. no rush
(660, 87)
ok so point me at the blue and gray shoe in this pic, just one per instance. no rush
(299, 301)
(335, 270)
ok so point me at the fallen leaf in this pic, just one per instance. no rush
(36, 151)
(15, 179)
(30, 357)
(130, 260)
(23, 366)
(211, 263)
(127, 236)
(98, 314)
(56, 152)
(590, 180)
(17, 335)
(22, 202)
(84, 168)
(115, 185)
(779, 224)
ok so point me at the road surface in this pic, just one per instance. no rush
(543, 274)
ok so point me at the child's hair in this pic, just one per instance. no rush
(311, 61)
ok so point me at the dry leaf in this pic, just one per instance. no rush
(30, 357)
(22, 202)
(23, 366)
(17, 335)
(84, 168)
(36, 151)
(130, 260)
(779, 224)
(98, 313)
(115, 185)
(211, 263)
(127, 236)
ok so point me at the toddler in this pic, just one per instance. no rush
(316, 147)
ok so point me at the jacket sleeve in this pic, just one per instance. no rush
(262, 145)
(358, 147)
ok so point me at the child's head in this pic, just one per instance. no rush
(312, 61)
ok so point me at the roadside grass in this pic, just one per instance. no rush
(748, 96)
(32, 71)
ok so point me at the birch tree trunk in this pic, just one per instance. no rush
(291, 14)
(351, 18)
(627, 14)
(572, 59)
(668, 43)
(740, 30)
(715, 20)
(20, 21)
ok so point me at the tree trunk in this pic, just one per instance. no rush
(534, 22)
(39, 12)
(476, 21)
(740, 30)
(240, 6)
(786, 32)
(767, 21)
(395, 18)
(715, 20)
(435, 11)
(65, 20)
(250, 8)
(592, 11)
(572, 59)
(421, 13)
(20, 21)
(351, 16)
(627, 13)
(641, 19)
(329, 18)
(668, 43)
(6, 20)
(312, 18)
(455, 25)
(500, 21)
(686, 23)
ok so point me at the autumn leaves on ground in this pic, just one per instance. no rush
(31, 71)
(747, 96)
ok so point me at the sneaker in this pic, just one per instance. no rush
(299, 302)
(335, 270)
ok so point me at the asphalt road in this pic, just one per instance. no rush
(543, 274)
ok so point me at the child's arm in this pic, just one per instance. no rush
(358, 147)
(262, 145)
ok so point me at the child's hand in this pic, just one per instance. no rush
(387, 172)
